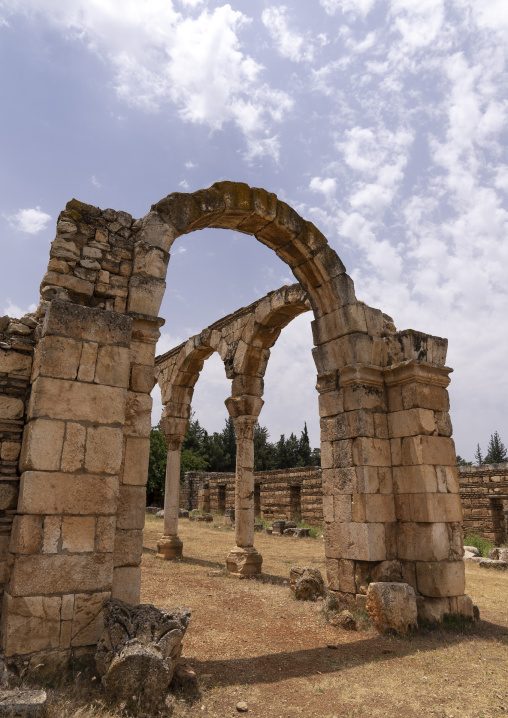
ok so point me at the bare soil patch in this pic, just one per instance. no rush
(249, 640)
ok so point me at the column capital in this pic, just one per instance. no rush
(174, 442)
(244, 426)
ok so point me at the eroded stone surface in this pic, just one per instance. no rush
(306, 583)
(392, 607)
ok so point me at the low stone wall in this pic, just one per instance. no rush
(279, 494)
(484, 495)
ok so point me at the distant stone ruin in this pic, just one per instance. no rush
(75, 382)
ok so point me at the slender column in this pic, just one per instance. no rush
(169, 547)
(244, 559)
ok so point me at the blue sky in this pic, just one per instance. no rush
(382, 121)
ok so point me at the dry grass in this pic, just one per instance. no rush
(251, 641)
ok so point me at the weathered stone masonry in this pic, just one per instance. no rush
(484, 495)
(390, 485)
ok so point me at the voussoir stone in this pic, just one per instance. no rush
(392, 607)
(138, 651)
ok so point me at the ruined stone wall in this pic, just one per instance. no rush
(484, 495)
(274, 492)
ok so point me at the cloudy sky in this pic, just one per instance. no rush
(382, 121)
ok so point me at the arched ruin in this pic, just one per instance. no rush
(76, 379)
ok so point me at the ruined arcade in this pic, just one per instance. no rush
(75, 383)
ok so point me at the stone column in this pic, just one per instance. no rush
(169, 547)
(244, 559)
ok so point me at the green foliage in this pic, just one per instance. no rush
(478, 455)
(463, 462)
(479, 542)
(496, 450)
(157, 461)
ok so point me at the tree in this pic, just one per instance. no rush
(463, 462)
(478, 456)
(496, 450)
(304, 450)
(157, 462)
(264, 452)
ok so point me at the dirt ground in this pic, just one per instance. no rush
(250, 641)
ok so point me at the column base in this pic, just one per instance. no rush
(244, 561)
(169, 548)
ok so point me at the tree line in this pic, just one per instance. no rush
(496, 453)
(202, 451)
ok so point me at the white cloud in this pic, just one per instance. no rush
(15, 311)
(355, 7)
(190, 165)
(327, 186)
(289, 43)
(183, 184)
(96, 182)
(30, 221)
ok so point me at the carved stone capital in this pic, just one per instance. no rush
(415, 371)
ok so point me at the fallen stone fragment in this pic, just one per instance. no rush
(242, 707)
(306, 583)
(138, 651)
(344, 620)
(493, 563)
(392, 607)
(21, 703)
(472, 550)
(160, 514)
(185, 681)
(183, 514)
(258, 527)
(499, 554)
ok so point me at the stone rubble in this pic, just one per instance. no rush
(306, 583)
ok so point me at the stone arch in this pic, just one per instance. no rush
(243, 340)
(391, 502)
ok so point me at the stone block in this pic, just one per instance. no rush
(113, 366)
(328, 515)
(88, 618)
(11, 408)
(371, 452)
(331, 403)
(131, 508)
(127, 584)
(440, 579)
(428, 450)
(367, 479)
(414, 479)
(86, 323)
(30, 623)
(73, 453)
(428, 508)
(145, 296)
(349, 319)
(67, 607)
(465, 606)
(26, 536)
(74, 285)
(385, 480)
(105, 534)
(42, 445)
(88, 361)
(149, 261)
(142, 379)
(425, 396)
(423, 542)
(128, 548)
(52, 534)
(342, 452)
(411, 422)
(379, 508)
(356, 541)
(135, 470)
(338, 481)
(447, 479)
(76, 401)
(359, 396)
(332, 574)
(58, 493)
(8, 495)
(142, 353)
(50, 574)
(342, 508)
(432, 609)
(78, 534)
(103, 450)
(154, 231)
(138, 415)
(13, 362)
(57, 357)
(347, 582)
(392, 607)
(9, 450)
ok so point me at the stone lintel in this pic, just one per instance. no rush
(415, 371)
(363, 374)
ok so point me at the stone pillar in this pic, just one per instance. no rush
(169, 547)
(244, 559)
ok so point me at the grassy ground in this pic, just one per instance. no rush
(251, 641)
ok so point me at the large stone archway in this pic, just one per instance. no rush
(392, 508)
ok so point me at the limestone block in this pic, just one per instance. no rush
(73, 453)
(142, 379)
(75, 401)
(465, 606)
(347, 581)
(135, 471)
(328, 515)
(131, 507)
(149, 261)
(439, 579)
(145, 295)
(13, 362)
(423, 542)
(425, 396)
(332, 574)
(105, 534)
(428, 450)
(338, 481)
(87, 618)
(331, 403)
(113, 366)
(358, 510)
(156, 232)
(11, 408)
(381, 426)
(344, 351)
(394, 398)
(42, 445)
(349, 319)
(128, 548)
(78, 534)
(411, 422)
(432, 609)
(425, 508)
(142, 352)
(414, 479)
(364, 397)
(88, 361)
(127, 584)
(57, 357)
(4, 546)
(103, 450)
(371, 452)
(342, 453)
(367, 479)
(26, 536)
(379, 508)
(72, 573)
(351, 424)
(52, 534)
(9, 450)
(67, 607)
(58, 493)
(447, 479)
(31, 623)
(8, 495)
(392, 607)
(396, 451)
(342, 508)
(443, 423)
(359, 541)
(79, 287)
(385, 480)
(87, 324)
(138, 415)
